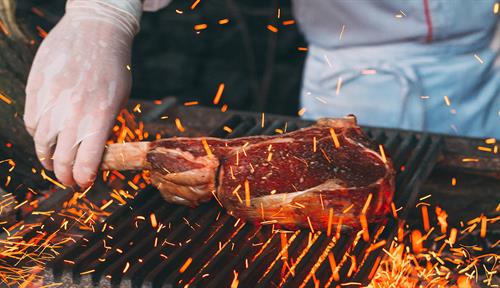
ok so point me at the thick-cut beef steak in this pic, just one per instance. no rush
(295, 179)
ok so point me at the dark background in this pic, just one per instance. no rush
(261, 70)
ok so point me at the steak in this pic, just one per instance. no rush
(296, 179)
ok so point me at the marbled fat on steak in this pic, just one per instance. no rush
(283, 179)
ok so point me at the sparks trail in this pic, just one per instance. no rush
(21, 260)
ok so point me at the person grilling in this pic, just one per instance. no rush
(423, 65)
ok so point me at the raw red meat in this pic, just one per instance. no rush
(293, 179)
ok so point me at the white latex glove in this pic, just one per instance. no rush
(77, 84)
(155, 5)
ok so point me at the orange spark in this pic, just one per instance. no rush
(199, 27)
(484, 149)
(334, 137)
(483, 227)
(269, 156)
(103, 207)
(195, 3)
(453, 236)
(441, 217)
(20, 204)
(425, 218)
(186, 265)
(374, 268)
(333, 266)
(179, 125)
(302, 48)
(272, 28)
(191, 103)
(416, 241)
(310, 224)
(131, 184)
(3, 97)
(324, 154)
(87, 272)
(235, 282)
(352, 267)
(364, 225)
(127, 265)
(394, 211)
(235, 192)
(206, 147)
(382, 153)
(137, 108)
(284, 246)
(218, 95)
(41, 32)
(301, 111)
(330, 221)
(46, 177)
(367, 203)
(152, 217)
(217, 198)
(223, 21)
(376, 246)
(247, 193)
(347, 209)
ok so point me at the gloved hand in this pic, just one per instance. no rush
(155, 5)
(79, 80)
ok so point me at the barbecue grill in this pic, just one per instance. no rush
(150, 243)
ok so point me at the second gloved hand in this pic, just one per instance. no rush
(79, 80)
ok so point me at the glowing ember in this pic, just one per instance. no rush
(199, 27)
(218, 95)
(272, 28)
(21, 260)
(3, 97)
(439, 261)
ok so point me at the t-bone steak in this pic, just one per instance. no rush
(316, 176)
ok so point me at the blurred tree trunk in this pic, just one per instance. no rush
(16, 54)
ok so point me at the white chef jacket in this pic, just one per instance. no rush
(415, 64)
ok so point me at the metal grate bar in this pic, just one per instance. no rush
(97, 246)
(217, 244)
(135, 245)
(82, 244)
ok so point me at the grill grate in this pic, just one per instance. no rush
(205, 247)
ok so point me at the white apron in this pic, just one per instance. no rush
(417, 64)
